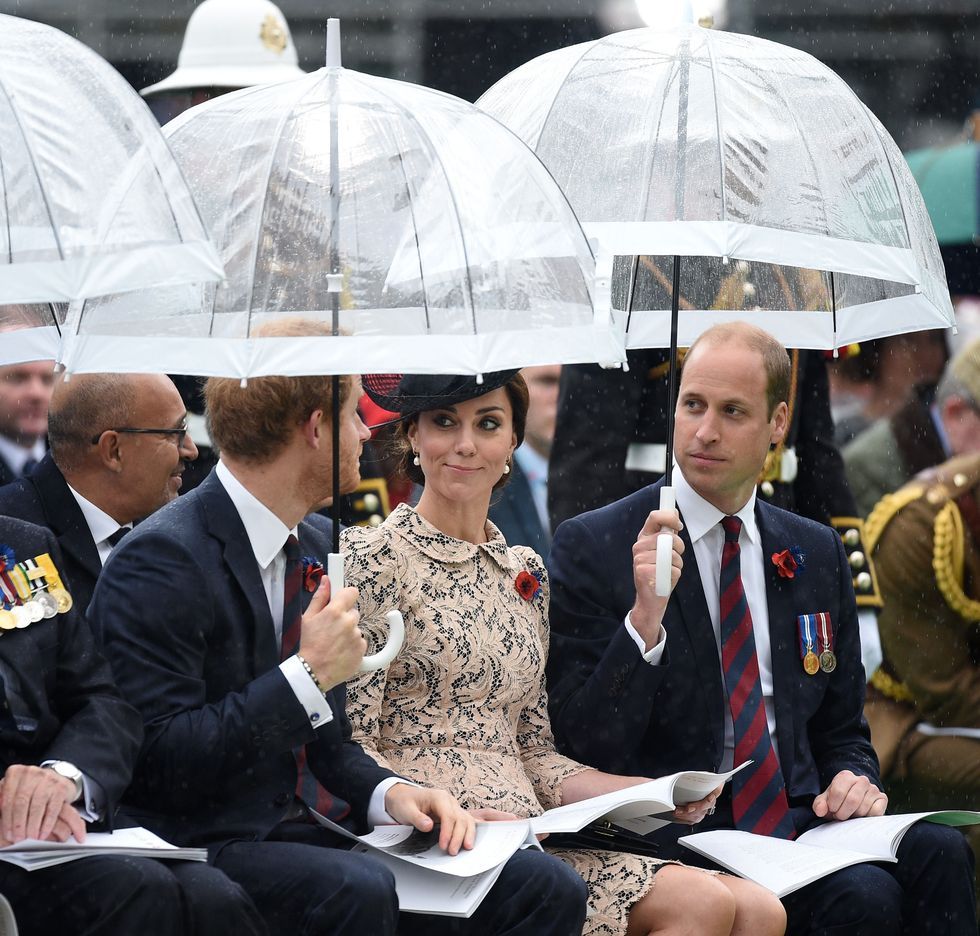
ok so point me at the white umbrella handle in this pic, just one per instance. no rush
(665, 546)
(396, 625)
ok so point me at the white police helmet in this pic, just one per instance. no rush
(233, 44)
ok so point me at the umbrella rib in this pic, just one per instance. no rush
(254, 259)
(424, 137)
(718, 129)
(6, 213)
(551, 106)
(418, 246)
(37, 175)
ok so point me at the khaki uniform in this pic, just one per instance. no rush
(925, 699)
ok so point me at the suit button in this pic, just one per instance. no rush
(282, 799)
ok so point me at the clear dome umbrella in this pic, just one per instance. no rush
(692, 143)
(91, 199)
(426, 235)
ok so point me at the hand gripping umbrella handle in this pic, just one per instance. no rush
(665, 546)
(396, 626)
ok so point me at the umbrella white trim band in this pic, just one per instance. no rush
(759, 244)
(795, 329)
(256, 357)
(29, 344)
(109, 271)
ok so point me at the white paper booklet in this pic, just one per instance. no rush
(32, 854)
(783, 866)
(634, 807)
(430, 881)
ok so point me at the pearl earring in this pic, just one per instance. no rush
(416, 461)
(506, 467)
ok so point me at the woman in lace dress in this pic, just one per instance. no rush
(463, 706)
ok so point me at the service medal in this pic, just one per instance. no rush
(828, 661)
(21, 616)
(811, 664)
(34, 611)
(63, 598)
(49, 605)
(7, 620)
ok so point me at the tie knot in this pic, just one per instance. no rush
(732, 527)
(292, 549)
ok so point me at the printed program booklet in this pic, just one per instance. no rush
(32, 854)
(785, 866)
(430, 881)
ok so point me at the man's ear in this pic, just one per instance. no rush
(779, 423)
(314, 428)
(110, 455)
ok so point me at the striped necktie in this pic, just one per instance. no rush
(308, 788)
(758, 795)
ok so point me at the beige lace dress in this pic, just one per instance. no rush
(463, 706)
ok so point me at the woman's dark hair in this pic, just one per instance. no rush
(401, 447)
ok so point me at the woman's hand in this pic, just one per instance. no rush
(693, 813)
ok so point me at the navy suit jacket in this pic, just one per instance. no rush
(512, 510)
(611, 709)
(44, 499)
(59, 700)
(186, 625)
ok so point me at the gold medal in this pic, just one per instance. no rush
(7, 620)
(811, 664)
(828, 661)
(63, 598)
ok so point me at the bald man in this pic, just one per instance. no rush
(118, 447)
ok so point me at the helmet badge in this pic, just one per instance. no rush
(273, 34)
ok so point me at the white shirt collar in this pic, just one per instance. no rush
(100, 524)
(532, 463)
(700, 516)
(267, 534)
(16, 456)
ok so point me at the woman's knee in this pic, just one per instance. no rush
(685, 900)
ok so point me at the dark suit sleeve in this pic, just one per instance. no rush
(155, 613)
(100, 733)
(838, 732)
(601, 690)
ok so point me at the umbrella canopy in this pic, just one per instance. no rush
(91, 199)
(949, 179)
(425, 231)
(710, 144)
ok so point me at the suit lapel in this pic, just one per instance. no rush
(225, 525)
(781, 604)
(65, 517)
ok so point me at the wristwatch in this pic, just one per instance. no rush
(68, 770)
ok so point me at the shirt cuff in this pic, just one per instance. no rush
(307, 693)
(91, 806)
(655, 654)
(377, 814)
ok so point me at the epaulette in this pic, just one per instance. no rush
(864, 579)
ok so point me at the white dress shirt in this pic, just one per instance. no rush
(703, 524)
(100, 524)
(267, 535)
(16, 456)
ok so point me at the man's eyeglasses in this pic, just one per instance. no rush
(178, 434)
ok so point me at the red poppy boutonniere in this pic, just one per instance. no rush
(789, 562)
(312, 573)
(527, 585)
